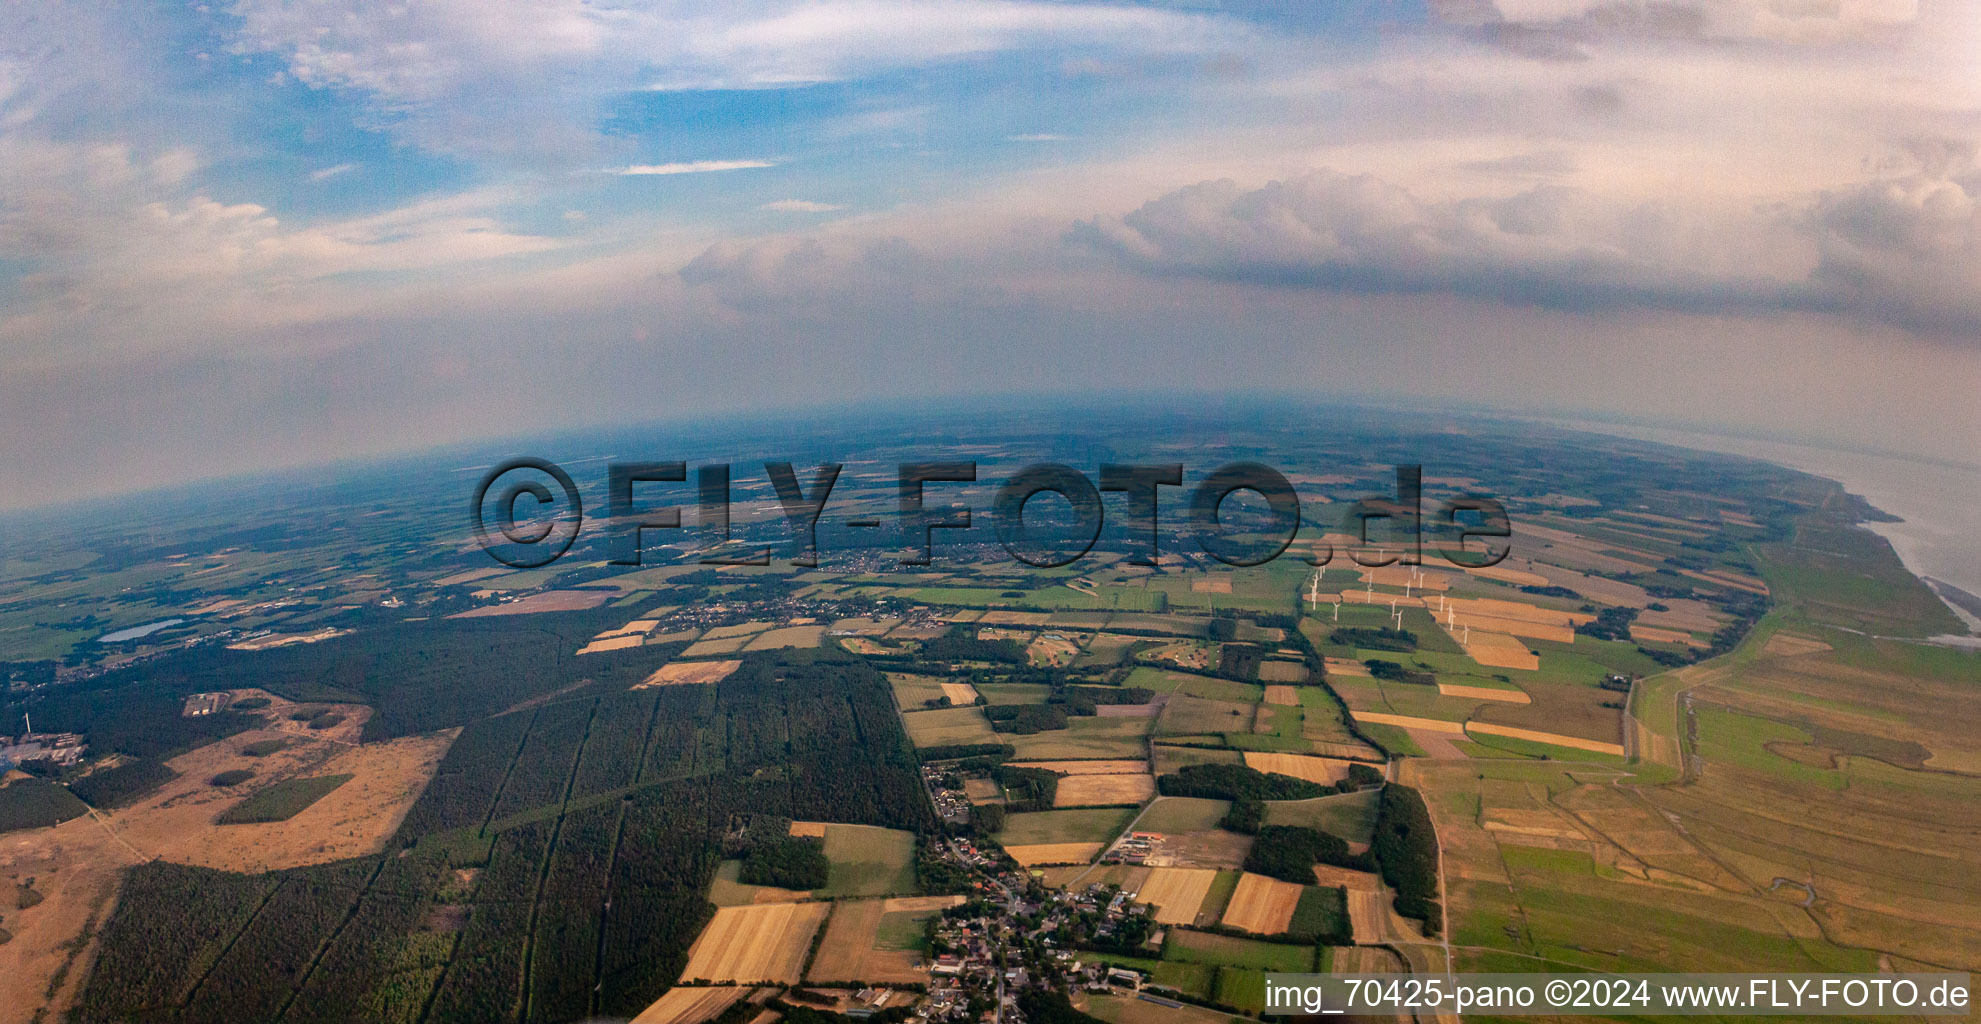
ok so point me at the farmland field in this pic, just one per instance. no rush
(1183, 814)
(869, 861)
(1030, 854)
(689, 673)
(1176, 893)
(1230, 951)
(948, 726)
(765, 943)
(1349, 815)
(1097, 825)
(1102, 790)
(1262, 905)
(1326, 771)
(691, 1005)
(1103, 738)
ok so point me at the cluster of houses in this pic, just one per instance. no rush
(1014, 936)
(952, 804)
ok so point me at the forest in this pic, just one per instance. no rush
(583, 901)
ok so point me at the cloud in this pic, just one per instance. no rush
(1902, 250)
(1554, 27)
(331, 172)
(694, 167)
(799, 206)
(497, 75)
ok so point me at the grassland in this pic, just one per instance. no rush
(1183, 814)
(1083, 737)
(949, 726)
(868, 861)
(1086, 825)
(1352, 816)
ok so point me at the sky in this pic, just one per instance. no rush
(268, 233)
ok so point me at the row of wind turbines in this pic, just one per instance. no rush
(1396, 614)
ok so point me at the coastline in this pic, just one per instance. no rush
(1931, 505)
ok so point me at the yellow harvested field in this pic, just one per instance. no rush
(1086, 767)
(1176, 893)
(1285, 696)
(1511, 627)
(1497, 650)
(1053, 853)
(1300, 766)
(1347, 667)
(809, 828)
(613, 643)
(960, 694)
(1517, 610)
(1664, 636)
(686, 673)
(640, 626)
(691, 1005)
(1220, 586)
(1262, 905)
(1484, 693)
(762, 943)
(1557, 739)
(789, 636)
(1103, 790)
(1407, 722)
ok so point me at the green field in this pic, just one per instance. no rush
(949, 726)
(29, 802)
(1192, 716)
(913, 692)
(1083, 738)
(282, 801)
(868, 861)
(1352, 816)
(1222, 689)
(1081, 825)
(1170, 758)
(1231, 951)
(1182, 814)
